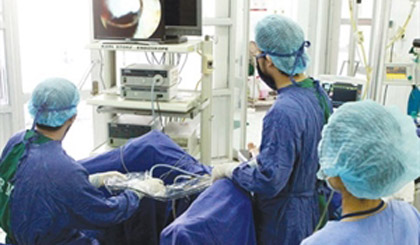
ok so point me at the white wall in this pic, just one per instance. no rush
(11, 113)
(400, 8)
(283, 7)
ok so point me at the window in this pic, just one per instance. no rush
(53, 40)
(3, 88)
(53, 37)
(364, 25)
(3, 94)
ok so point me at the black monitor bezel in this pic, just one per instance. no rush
(188, 30)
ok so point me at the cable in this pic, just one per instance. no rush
(183, 65)
(198, 83)
(324, 212)
(85, 76)
(165, 175)
(147, 57)
(173, 168)
(385, 94)
(101, 69)
(401, 31)
(182, 177)
(162, 59)
(152, 98)
(155, 58)
(160, 115)
(122, 159)
(178, 59)
(362, 54)
(391, 53)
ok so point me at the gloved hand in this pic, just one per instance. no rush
(253, 149)
(223, 171)
(138, 194)
(98, 180)
(151, 186)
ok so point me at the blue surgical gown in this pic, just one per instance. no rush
(222, 214)
(139, 155)
(142, 153)
(286, 205)
(397, 224)
(53, 201)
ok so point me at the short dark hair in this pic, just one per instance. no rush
(282, 72)
(48, 128)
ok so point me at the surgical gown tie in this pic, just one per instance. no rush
(8, 167)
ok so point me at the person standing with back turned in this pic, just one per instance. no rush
(283, 175)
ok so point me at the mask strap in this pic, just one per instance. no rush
(298, 56)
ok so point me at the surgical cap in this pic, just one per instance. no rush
(53, 102)
(281, 35)
(373, 149)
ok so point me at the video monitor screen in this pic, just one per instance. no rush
(183, 17)
(128, 19)
(344, 94)
(181, 13)
(341, 93)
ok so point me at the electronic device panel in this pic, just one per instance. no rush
(399, 73)
(145, 93)
(148, 75)
(126, 127)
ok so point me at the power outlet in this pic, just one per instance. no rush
(208, 64)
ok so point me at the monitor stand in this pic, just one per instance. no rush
(146, 43)
(174, 40)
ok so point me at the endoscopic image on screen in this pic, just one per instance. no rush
(127, 19)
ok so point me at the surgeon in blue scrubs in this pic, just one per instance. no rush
(283, 175)
(45, 196)
(365, 162)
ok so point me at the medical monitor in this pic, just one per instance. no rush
(128, 20)
(341, 93)
(183, 17)
(342, 89)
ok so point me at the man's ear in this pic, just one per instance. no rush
(337, 184)
(269, 62)
(72, 119)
